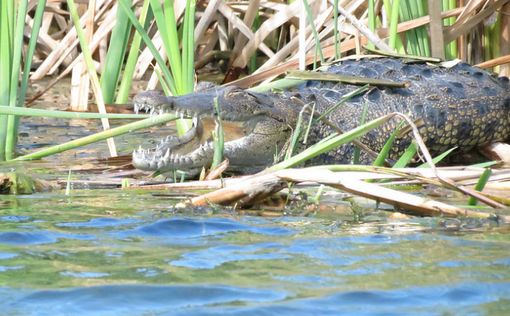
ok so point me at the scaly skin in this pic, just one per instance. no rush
(462, 106)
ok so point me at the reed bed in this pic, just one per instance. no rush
(230, 27)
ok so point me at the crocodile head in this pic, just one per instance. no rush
(255, 129)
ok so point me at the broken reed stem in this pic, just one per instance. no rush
(253, 189)
(355, 80)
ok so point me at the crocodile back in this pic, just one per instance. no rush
(462, 106)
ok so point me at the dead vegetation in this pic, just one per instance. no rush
(282, 41)
(276, 37)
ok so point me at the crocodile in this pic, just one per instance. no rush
(459, 106)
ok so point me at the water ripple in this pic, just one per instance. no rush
(212, 257)
(189, 228)
(133, 299)
(38, 237)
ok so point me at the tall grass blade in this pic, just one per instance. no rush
(385, 151)
(188, 48)
(87, 56)
(485, 164)
(19, 95)
(388, 9)
(344, 99)
(357, 152)
(6, 34)
(68, 184)
(412, 44)
(127, 128)
(407, 156)
(298, 129)
(157, 56)
(180, 76)
(330, 143)
(311, 21)
(18, 111)
(134, 52)
(41, 4)
(437, 159)
(451, 48)
(167, 26)
(115, 56)
(482, 181)
(393, 23)
(252, 65)
(371, 20)
(218, 136)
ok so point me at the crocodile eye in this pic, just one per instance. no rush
(234, 92)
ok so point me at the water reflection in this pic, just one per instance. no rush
(108, 253)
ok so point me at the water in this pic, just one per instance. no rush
(108, 252)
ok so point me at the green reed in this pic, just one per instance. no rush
(482, 181)
(417, 40)
(13, 89)
(451, 48)
(178, 77)
(134, 52)
(115, 56)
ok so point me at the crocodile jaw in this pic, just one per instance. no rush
(258, 131)
(193, 151)
(247, 154)
(175, 153)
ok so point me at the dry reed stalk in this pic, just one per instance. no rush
(495, 62)
(207, 48)
(256, 188)
(219, 18)
(466, 176)
(222, 33)
(505, 38)
(145, 60)
(328, 51)
(469, 9)
(102, 31)
(424, 20)
(249, 18)
(268, 26)
(80, 83)
(236, 22)
(69, 43)
(461, 27)
(207, 18)
(436, 29)
(365, 31)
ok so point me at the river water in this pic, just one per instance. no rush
(110, 252)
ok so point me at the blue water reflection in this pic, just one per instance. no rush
(212, 257)
(135, 299)
(53, 262)
(224, 300)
